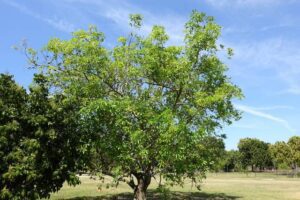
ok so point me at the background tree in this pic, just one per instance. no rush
(148, 104)
(12, 106)
(254, 153)
(281, 155)
(40, 147)
(231, 161)
(214, 151)
(294, 144)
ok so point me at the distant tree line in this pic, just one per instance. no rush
(256, 155)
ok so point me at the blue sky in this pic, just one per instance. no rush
(263, 33)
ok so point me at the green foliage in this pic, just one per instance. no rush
(39, 148)
(135, 20)
(12, 105)
(214, 151)
(294, 144)
(148, 105)
(281, 155)
(286, 155)
(231, 161)
(164, 192)
(254, 153)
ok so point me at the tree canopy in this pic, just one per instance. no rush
(281, 155)
(286, 154)
(148, 104)
(231, 161)
(254, 153)
(40, 147)
(294, 144)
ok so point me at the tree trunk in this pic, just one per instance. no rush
(139, 193)
(141, 187)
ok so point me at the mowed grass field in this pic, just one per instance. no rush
(259, 186)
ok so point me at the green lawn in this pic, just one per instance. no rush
(217, 186)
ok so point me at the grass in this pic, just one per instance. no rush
(259, 186)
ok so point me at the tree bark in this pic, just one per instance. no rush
(140, 190)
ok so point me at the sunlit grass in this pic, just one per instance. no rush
(258, 186)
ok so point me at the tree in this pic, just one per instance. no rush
(12, 104)
(254, 153)
(214, 151)
(294, 144)
(281, 155)
(148, 104)
(40, 147)
(232, 161)
(286, 155)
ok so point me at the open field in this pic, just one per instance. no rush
(259, 186)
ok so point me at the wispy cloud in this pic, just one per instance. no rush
(274, 107)
(248, 29)
(278, 57)
(119, 11)
(246, 3)
(55, 22)
(244, 126)
(113, 11)
(258, 113)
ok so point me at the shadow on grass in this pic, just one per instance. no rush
(152, 195)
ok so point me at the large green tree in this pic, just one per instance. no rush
(40, 147)
(254, 153)
(281, 155)
(294, 144)
(148, 104)
(12, 105)
(286, 155)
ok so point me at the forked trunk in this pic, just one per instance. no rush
(141, 187)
